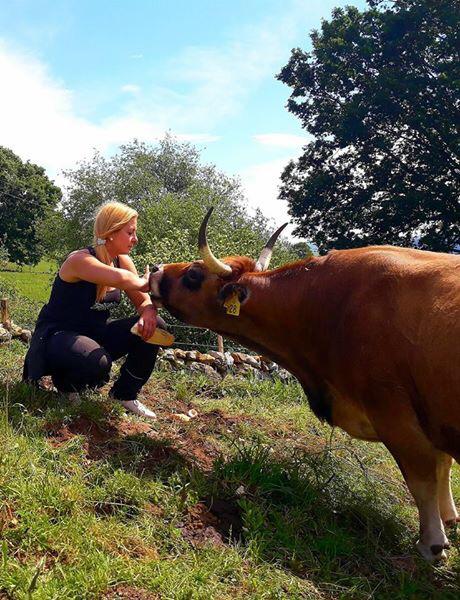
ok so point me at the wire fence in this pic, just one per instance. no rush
(189, 337)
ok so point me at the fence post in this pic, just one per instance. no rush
(220, 344)
(4, 312)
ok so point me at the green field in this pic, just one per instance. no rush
(32, 282)
(252, 499)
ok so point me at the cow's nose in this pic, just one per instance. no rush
(156, 275)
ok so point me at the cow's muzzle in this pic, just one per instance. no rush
(156, 275)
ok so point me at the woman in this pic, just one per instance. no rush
(73, 339)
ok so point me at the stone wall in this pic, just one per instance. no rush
(214, 365)
(217, 364)
(9, 330)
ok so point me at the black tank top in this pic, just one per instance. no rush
(72, 306)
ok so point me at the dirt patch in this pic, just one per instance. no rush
(127, 592)
(166, 443)
(95, 435)
(217, 421)
(212, 521)
(101, 440)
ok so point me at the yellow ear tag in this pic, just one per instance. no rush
(232, 304)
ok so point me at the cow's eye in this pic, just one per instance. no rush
(193, 278)
(194, 275)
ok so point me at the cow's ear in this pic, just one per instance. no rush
(229, 289)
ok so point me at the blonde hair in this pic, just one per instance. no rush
(110, 217)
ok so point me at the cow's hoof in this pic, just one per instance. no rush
(432, 553)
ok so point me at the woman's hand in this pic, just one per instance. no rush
(147, 322)
(146, 278)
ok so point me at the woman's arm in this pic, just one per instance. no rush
(142, 302)
(82, 266)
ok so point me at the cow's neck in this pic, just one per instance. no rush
(275, 320)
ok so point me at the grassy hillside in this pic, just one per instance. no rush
(252, 499)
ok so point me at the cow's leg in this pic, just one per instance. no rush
(447, 507)
(433, 539)
(417, 459)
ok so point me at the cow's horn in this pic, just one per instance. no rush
(265, 256)
(212, 263)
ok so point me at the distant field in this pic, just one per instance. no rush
(32, 282)
(44, 266)
(35, 286)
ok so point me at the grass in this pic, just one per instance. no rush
(252, 499)
(44, 266)
(31, 282)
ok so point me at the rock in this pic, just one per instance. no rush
(180, 354)
(165, 365)
(243, 368)
(284, 375)
(14, 329)
(197, 367)
(168, 354)
(253, 361)
(26, 336)
(5, 335)
(229, 360)
(267, 367)
(176, 363)
(238, 357)
(219, 359)
(205, 359)
(191, 354)
(180, 417)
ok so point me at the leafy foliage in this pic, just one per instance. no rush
(380, 94)
(4, 255)
(26, 194)
(171, 190)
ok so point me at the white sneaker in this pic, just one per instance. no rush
(138, 408)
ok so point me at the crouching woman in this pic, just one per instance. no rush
(74, 341)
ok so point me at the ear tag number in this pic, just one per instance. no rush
(232, 305)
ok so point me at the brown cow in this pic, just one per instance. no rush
(373, 336)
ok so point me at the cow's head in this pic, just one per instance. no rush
(208, 292)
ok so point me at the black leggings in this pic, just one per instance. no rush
(77, 361)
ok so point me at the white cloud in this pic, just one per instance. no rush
(39, 121)
(261, 186)
(130, 88)
(282, 140)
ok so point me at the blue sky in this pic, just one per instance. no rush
(78, 75)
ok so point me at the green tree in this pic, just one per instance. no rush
(26, 194)
(171, 189)
(380, 94)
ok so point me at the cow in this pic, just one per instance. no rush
(373, 336)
